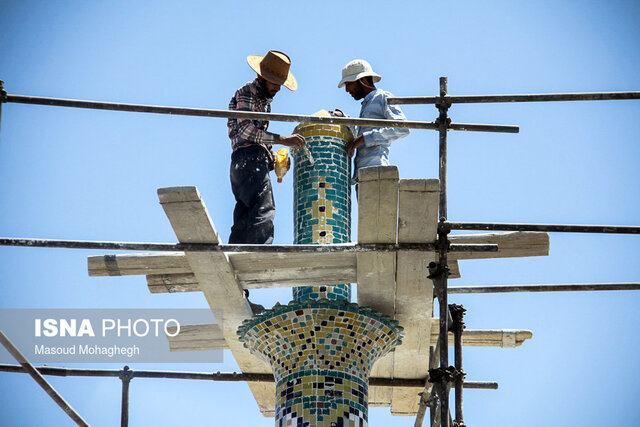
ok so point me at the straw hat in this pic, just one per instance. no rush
(357, 69)
(274, 67)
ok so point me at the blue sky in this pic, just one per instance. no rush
(86, 174)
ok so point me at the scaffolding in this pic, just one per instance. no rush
(441, 377)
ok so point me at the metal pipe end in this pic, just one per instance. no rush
(3, 93)
(434, 269)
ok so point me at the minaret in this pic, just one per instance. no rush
(321, 346)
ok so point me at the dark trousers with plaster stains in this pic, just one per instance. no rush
(251, 186)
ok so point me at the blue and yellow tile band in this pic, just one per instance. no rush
(322, 197)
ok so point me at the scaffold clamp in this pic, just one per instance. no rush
(437, 271)
(126, 374)
(448, 375)
(457, 315)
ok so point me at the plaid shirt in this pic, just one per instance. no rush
(245, 133)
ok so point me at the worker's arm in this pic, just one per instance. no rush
(353, 144)
(251, 131)
(385, 135)
(295, 140)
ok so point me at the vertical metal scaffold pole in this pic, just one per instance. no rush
(3, 99)
(443, 121)
(457, 325)
(125, 375)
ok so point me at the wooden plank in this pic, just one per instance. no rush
(197, 338)
(172, 283)
(510, 244)
(172, 273)
(207, 337)
(417, 223)
(486, 337)
(269, 270)
(265, 270)
(198, 345)
(378, 223)
(418, 210)
(191, 222)
(454, 269)
(132, 264)
(209, 331)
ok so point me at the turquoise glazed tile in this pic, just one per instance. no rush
(320, 346)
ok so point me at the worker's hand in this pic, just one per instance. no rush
(353, 144)
(295, 140)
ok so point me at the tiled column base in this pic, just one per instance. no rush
(321, 398)
(321, 353)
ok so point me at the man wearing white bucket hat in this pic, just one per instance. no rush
(372, 144)
(252, 156)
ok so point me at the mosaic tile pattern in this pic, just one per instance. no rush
(321, 352)
(322, 197)
(320, 346)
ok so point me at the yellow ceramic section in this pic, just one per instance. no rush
(324, 129)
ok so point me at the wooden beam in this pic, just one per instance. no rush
(378, 223)
(191, 222)
(454, 269)
(133, 264)
(510, 244)
(197, 338)
(160, 282)
(417, 215)
(208, 337)
(172, 273)
(417, 223)
(172, 283)
(249, 265)
(486, 337)
(270, 270)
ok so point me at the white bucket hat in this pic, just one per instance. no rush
(357, 69)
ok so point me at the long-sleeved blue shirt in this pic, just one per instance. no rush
(375, 150)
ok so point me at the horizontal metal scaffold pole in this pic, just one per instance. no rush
(568, 287)
(563, 228)
(204, 247)
(221, 376)
(20, 99)
(543, 97)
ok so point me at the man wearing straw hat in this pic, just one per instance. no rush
(252, 156)
(372, 144)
